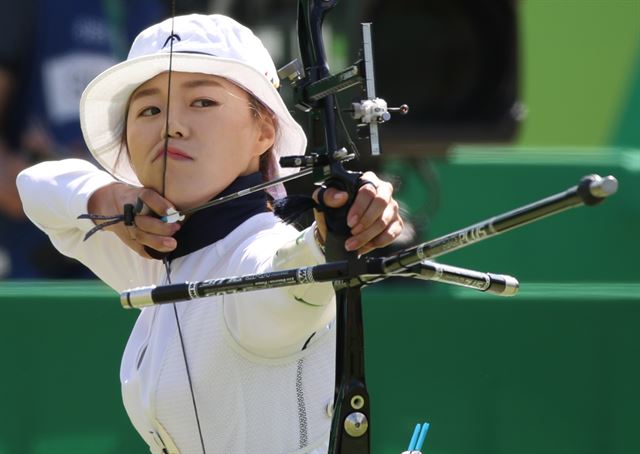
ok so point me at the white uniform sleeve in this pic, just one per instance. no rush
(277, 322)
(53, 195)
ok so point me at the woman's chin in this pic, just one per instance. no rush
(184, 202)
(190, 193)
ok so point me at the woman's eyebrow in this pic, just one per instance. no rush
(188, 84)
(201, 82)
(144, 92)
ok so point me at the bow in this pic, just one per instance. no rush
(315, 93)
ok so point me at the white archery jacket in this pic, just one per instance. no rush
(260, 384)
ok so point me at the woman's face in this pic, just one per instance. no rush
(214, 136)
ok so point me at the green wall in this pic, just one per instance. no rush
(587, 244)
(553, 370)
(60, 390)
(579, 61)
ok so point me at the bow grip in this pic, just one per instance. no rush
(336, 218)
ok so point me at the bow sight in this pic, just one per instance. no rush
(313, 83)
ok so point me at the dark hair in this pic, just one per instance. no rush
(123, 140)
(268, 167)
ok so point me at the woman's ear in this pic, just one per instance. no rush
(266, 133)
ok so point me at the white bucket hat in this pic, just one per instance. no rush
(214, 44)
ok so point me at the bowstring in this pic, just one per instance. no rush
(165, 260)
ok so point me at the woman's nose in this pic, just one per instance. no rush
(175, 127)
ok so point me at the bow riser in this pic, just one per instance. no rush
(350, 424)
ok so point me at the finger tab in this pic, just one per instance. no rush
(172, 216)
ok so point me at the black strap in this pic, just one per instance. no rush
(110, 220)
(130, 212)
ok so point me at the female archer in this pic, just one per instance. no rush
(193, 114)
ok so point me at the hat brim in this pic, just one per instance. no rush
(104, 102)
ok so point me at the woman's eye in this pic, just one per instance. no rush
(149, 111)
(204, 103)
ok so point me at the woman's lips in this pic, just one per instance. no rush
(174, 153)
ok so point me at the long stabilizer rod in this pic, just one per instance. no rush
(591, 190)
(331, 272)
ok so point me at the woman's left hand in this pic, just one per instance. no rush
(374, 217)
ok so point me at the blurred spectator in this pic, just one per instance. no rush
(50, 50)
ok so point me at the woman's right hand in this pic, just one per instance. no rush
(147, 230)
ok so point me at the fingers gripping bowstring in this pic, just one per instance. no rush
(165, 260)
